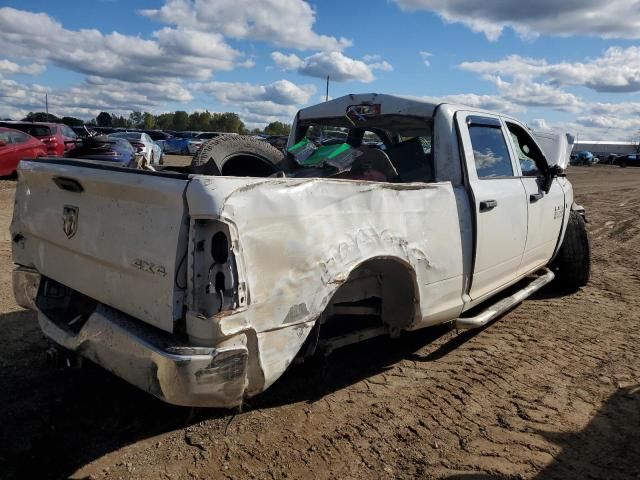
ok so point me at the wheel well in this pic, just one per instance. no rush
(379, 296)
(390, 280)
(246, 165)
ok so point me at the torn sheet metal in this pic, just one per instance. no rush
(299, 240)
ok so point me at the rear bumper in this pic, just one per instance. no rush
(177, 373)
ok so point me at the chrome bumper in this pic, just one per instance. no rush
(178, 374)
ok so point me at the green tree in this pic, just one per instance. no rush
(72, 121)
(148, 121)
(136, 119)
(200, 121)
(104, 119)
(120, 121)
(180, 121)
(164, 121)
(40, 117)
(226, 122)
(277, 128)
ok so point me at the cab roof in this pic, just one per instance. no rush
(390, 105)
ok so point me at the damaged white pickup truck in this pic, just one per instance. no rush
(202, 285)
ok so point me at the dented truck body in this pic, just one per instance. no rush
(202, 290)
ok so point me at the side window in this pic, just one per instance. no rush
(68, 132)
(490, 151)
(531, 159)
(18, 137)
(5, 137)
(371, 138)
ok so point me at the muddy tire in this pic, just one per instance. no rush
(237, 155)
(572, 266)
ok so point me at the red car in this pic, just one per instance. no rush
(16, 145)
(53, 135)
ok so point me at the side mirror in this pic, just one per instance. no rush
(549, 176)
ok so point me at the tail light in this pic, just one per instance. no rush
(51, 143)
(138, 146)
(216, 283)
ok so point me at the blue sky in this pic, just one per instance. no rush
(574, 65)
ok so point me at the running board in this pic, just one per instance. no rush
(505, 304)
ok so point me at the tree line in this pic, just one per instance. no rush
(179, 121)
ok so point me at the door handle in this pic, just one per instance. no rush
(486, 205)
(534, 197)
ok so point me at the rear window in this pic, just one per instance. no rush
(402, 143)
(127, 135)
(33, 130)
(158, 135)
(208, 135)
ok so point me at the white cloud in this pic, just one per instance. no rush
(283, 23)
(174, 53)
(376, 62)
(335, 64)
(338, 66)
(7, 66)
(484, 102)
(281, 92)
(425, 58)
(540, 124)
(261, 104)
(86, 100)
(523, 91)
(606, 19)
(616, 70)
(287, 62)
(383, 66)
(615, 123)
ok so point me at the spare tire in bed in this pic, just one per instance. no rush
(237, 155)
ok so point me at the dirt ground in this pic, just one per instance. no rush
(550, 390)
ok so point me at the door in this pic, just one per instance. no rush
(499, 201)
(545, 211)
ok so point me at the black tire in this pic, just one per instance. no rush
(238, 155)
(572, 265)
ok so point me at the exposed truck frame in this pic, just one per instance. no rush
(203, 290)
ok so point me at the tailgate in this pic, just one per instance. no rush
(116, 235)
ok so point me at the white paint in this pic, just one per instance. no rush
(294, 241)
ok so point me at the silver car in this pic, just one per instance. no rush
(142, 144)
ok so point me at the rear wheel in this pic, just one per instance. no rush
(237, 155)
(572, 265)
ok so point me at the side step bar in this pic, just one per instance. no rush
(505, 304)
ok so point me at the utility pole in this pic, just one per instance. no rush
(46, 105)
(326, 98)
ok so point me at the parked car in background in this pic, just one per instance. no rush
(159, 137)
(584, 158)
(56, 137)
(194, 143)
(83, 131)
(627, 160)
(16, 145)
(179, 144)
(142, 143)
(107, 130)
(278, 141)
(106, 148)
